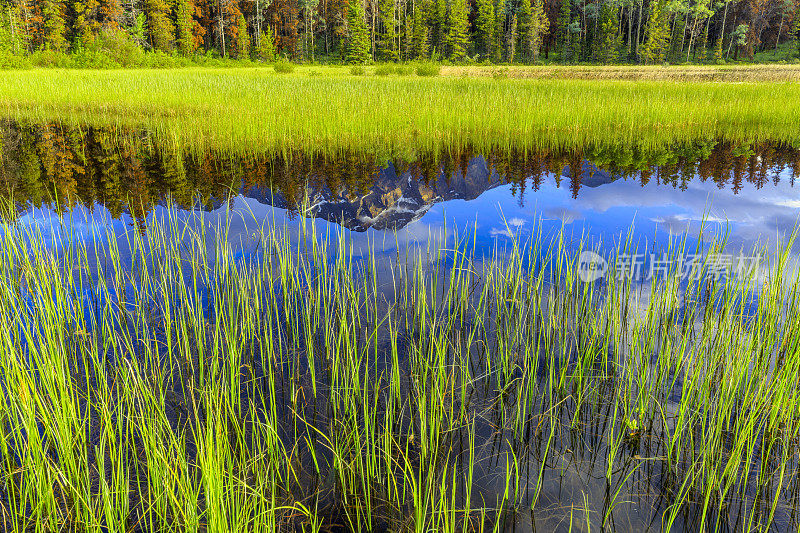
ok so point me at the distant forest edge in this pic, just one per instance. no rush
(168, 33)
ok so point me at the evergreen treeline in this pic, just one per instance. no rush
(359, 31)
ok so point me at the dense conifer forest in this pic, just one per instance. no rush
(109, 33)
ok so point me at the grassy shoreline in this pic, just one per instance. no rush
(327, 109)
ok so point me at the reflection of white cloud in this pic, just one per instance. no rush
(794, 204)
(564, 214)
(500, 232)
(769, 212)
(516, 222)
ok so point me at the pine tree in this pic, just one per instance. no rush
(484, 28)
(656, 34)
(541, 26)
(186, 27)
(499, 31)
(420, 34)
(564, 36)
(387, 40)
(265, 48)
(242, 39)
(458, 29)
(607, 44)
(796, 30)
(161, 29)
(54, 27)
(85, 24)
(525, 28)
(358, 46)
(438, 23)
(511, 51)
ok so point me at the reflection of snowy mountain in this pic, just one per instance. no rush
(591, 176)
(394, 201)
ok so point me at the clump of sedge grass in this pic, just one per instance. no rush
(428, 69)
(283, 67)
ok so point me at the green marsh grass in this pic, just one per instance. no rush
(256, 110)
(157, 383)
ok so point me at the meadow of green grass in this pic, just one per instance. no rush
(158, 384)
(327, 108)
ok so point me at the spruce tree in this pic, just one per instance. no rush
(54, 25)
(438, 22)
(607, 40)
(242, 39)
(419, 35)
(718, 51)
(533, 25)
(541, 26)
(796, 31)
(387, 40)
(656, 34)
(358, 45)
(525, 28)
(484, 28)
(265, 47)
(458, 27)
(511, 50)
(499, 31)
(185, 27)
(564, 35)
(161, 29)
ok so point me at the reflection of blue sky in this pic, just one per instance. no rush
(604, 213)
(656, 211)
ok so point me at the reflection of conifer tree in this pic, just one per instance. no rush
(109, 166)
(428, 168)
(537, 175)
(645, 175)
(575, 173)
(59, 163)
(138, 196)
(448, 167)
(739, 164)
(168, 163)
(85, 181)
(719, 163)
(463, 158)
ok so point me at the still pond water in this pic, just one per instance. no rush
(100, 177)
(79, 183)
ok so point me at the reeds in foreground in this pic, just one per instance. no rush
(159, 384)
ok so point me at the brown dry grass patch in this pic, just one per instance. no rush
(738, 73)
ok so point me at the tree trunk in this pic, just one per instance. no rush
(13, 30)
(724, 18)
(221, 28)
(638, 30)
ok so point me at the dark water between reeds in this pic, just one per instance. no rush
(79, 183)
